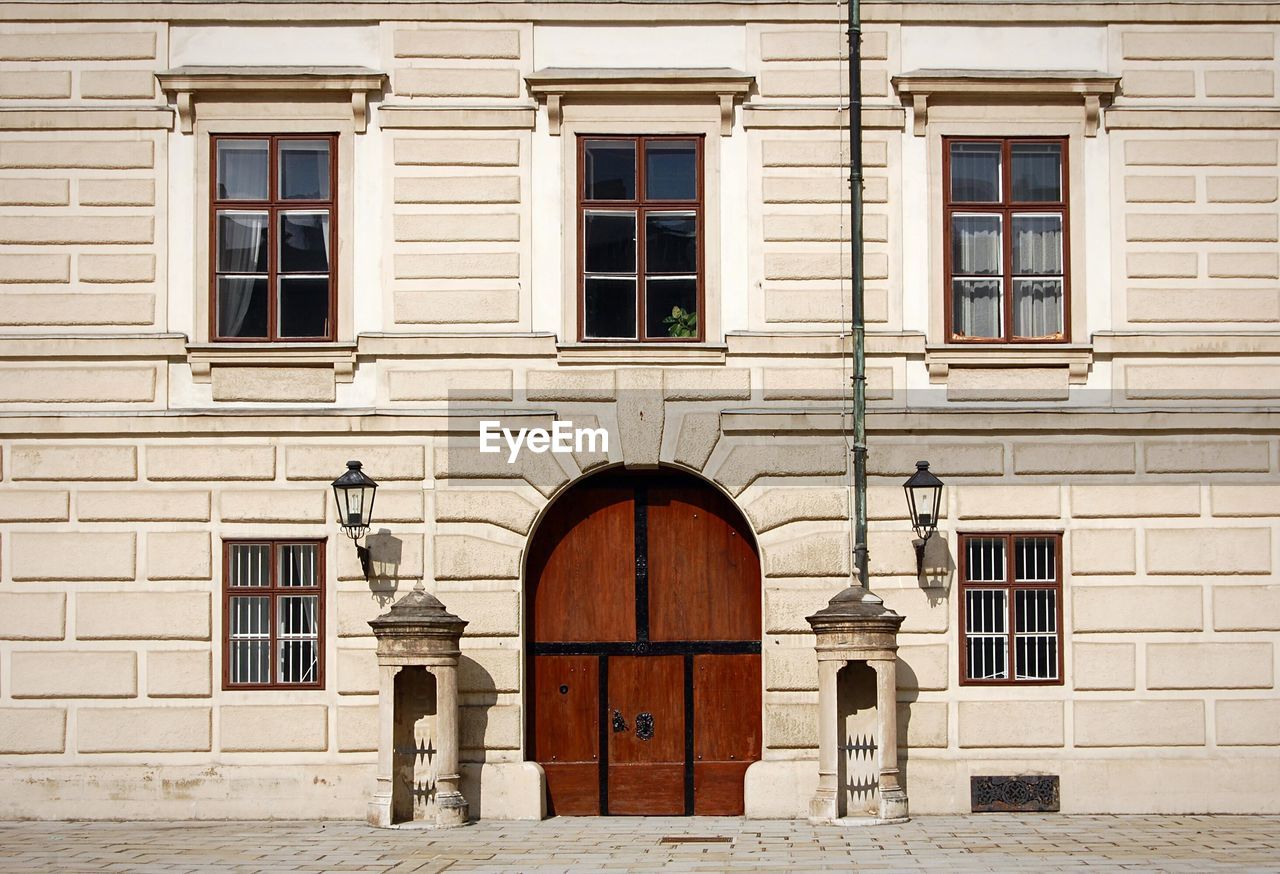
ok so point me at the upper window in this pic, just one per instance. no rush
(640, 268)
(274, 207)
(273, 614)
(1006, 250)
(1011, 608)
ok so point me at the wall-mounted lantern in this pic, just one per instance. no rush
(354, 492)
(924, 499)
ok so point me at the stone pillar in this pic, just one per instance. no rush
(893, 800)
(856, 627)
(379, 814)
(419, 631)
(825, 805)
(451, 807)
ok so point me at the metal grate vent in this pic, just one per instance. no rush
(1036, 793)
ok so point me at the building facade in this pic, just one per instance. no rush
(242, 245)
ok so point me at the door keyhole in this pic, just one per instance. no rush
(619, 724)
(644, 726)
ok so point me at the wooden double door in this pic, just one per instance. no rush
(644, 648)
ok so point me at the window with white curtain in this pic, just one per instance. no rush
(1006, 251)
(274, 276)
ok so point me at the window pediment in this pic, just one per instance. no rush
(191, 84)
(1090, 88)
(555, 85)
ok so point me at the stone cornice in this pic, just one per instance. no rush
(191, 84)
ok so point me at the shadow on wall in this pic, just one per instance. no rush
(938, 569)
(386, 552)
(908, 694)
(477, 692)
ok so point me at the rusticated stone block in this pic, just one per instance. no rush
(457, 152)
(1137, 608)
(273, 384)
(791, 726)
(34, 192)
(925, 612)
(21, 505)
(144, 729)
(35, 84)
(101, 308)
(962, 459)
(1159, 83)
(786, 609)
(76, 229)
(922, 725)
(117, 192)
(1000, 724)
(117, 84)
(1198, 45)
(1139, 723)
(924, 667)
(73, 555)
(357, 672)
(32, 615)
(1248, 723)
(1197, 227)
(815, 555)
(96, 155)
(30, 268)
(457, 228)
(790, 669)
(699, 433)
(1173, 305)
(181, 555)
(540, 470)
(1134, 501)
(780, 506)
(504, 509)
(399, 505)
(486, 669)
(1239, 83)
(456, 307)
(1162, 265)
(459, 557)
(706, 383)
(1246, 608)
(152, 505)
(570, 385)
(1207, 457)
(279, 505)
(212, 462)
(1196, 551)
(457, 189)
(453, 82)
(1010, 502)
(1104, 666)
(116, 268)
(183, 673)
(77, 385)
(1201, 152)
(1074, 458)
(392, 556)
(1242, 189)
(1239, 382)
(142, 616)
(270, 728)
(457, 43)
(55, 463)
(357, 729)
(489, 614)
(30, 730)
(1244, 265)
(404, 462)
(746, 463)
(64, 45)
(62, 674)
(449, 385)
(1209, 666)
(1103, 551)
(490, 727)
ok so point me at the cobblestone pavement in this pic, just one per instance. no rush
(998, 842)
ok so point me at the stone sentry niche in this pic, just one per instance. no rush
(418, 780)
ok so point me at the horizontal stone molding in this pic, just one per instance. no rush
(1191, 118)
(205, 357)
(502, 117)
(1075, 359)
(782, 116)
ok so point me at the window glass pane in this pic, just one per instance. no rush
(1037, 308)
(977, 309)
(984, 559)
(248, 564)
(1037, 245)
(1035, 559)
(672, 306)
(297, 630)
(975, 172)
(975, 245)
(304, 242)
(1035, 634)
(986, 634)
(304, 169)
(609, 170)
(610, 308)
(242, 306)
(1037, 172)
(610, 242)
(304, 306)
(671, 170)
(249, 631)
(242, 242)
(242, 169)
(671, 243)
(299, 564)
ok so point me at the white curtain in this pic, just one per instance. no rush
(242, 170)
(975, 252)
(1037, 252)
(241, 238)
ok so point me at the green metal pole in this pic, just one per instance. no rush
(859, 313)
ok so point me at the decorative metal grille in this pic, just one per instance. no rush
(1037, 793)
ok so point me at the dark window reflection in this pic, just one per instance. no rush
(610, 308)
(304, 306)
(242, 169)
(671, 306)
(242, 306)
(610, 242)
(610, 170)
(304, 169)
(671, 170)
(671, 243)
(304, 242)
(242, 242)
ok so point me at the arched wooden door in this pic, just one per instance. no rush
(644, 648)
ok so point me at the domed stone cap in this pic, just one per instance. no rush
(854, 605)
(418, 609)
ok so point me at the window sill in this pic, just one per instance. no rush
(204, 357)
(1075, 357)
(640, 353)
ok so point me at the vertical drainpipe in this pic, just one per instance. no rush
(859, 314)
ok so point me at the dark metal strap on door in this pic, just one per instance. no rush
(603, 674)
(642, 564)
(689, 716)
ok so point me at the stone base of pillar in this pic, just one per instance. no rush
(893, 806)
(823, 808)
(379, 811)
(452, 810)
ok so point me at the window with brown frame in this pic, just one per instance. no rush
(640, 248)
(1006, 244)
(1011, 608)
(273, 614)
(273, 238)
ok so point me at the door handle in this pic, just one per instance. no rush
(644, 726)
(619, 723)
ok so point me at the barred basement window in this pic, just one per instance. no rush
(1011, 608)
(273, 614)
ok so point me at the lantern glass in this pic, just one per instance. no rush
(354, 493)
(924, 499)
